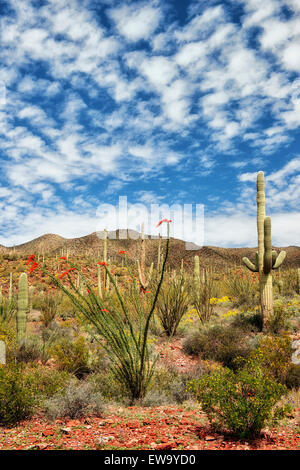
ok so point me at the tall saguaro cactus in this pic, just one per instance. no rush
(22, 307)
(266, 259)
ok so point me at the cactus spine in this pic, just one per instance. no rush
(266, 259)
(22, 307)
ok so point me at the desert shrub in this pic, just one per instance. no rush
(248, 320)
(243, 288)
(105, 383)
(292, 379)
(16, 397)
(278, 320)
(220, 342)
(49, 305)
(66, 308)
(8, 309)
(203, 290)
(72, 355)
(30, 350)
(289, 281)
(241, 402)
(171, 386)
(8, 335)
(77, 400)
(275, 356)
(172, 303)
(45, 382)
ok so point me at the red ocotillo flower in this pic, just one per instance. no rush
(102, 263)
(30, 259)
(33, 267)
(62, 257)
(66, 272)
(104, 310)
(163, 220)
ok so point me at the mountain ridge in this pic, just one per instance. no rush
(92, 245)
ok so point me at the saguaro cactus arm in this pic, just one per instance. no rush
(279, 260)
(250, 265)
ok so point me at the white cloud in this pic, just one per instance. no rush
(137, 21)
(159, 70)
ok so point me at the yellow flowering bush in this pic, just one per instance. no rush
(242, 402)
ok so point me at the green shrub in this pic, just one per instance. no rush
(172, 303)
(243, 288)
(292, 379)
(242, 402)
(76, 401)
(8, 309)
(110, 388)
(202, 292)
(31, 350)
(16, 397)
(278, 320)
(249, 321)
(45, 382)
(221, 343)
(275, 353)
(49, 305)
(72, 355)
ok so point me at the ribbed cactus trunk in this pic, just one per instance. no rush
(22, 308)
(265, 277)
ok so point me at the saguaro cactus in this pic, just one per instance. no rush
(266, 259)
(22, 307)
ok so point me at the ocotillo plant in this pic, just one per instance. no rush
(22, 307)
(143, 277)
(298, 280)
(266, 259)
(126, 341)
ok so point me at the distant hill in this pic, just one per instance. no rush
(92, 245)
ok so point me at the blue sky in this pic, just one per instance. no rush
(171, 101)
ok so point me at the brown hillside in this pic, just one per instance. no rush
(92, 245)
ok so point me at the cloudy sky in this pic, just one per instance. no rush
(167, 102)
